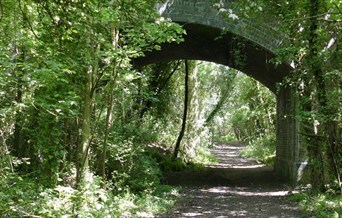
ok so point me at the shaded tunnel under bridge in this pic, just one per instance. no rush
(211, 36)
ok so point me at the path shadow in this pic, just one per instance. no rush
(231, 170)
(234, 187)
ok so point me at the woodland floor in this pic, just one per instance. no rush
(235, 187)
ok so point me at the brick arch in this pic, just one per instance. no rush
(212, 37)
(206, 13)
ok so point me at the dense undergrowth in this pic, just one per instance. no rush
(321, 205)
(263, 150)
(135, 190)
(140, 195)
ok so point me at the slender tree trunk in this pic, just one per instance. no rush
(107, 127)
(17, 140)
(217, 107)
(155, 86)
(334, 151)
(161, 88)
(82, 160)
(110, 103)
(185, 111)
(192, 133)
(315, 150)
(225, 91)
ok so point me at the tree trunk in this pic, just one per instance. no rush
(158, 83)
(185, 111)
(83, 147)
(314, 143)
(107, 127)
(217, 107)
(193, 128)
(228, 76)
(110, 103)
(17, 140)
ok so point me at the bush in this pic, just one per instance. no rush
(132, 168)
(262, 149)
(144, 174)
(168, 165)
(18, 195)
(204, 156)
(226, 138)
(320, 205)
(22, 197)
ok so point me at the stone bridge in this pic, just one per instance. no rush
(212, 35)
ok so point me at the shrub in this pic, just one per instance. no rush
(320, 205)
(262, 149)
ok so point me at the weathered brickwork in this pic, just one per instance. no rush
(289, 155)
(204, 12)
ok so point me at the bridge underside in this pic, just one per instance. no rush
(209, 44)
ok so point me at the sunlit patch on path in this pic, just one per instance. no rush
(234, 187)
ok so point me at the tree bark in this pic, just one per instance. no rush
(110, 103)
(192, 132)
(314, 143)
(83, 147)
(18, 72)
(225, 93)
(155, 86)
(17, 140)
(185, 111)
(217, 107)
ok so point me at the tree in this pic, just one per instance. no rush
(315, 43)
(313, 30)
(185, 111)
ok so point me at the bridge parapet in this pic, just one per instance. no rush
(204, 12)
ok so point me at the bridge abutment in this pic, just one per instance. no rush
(289, 154)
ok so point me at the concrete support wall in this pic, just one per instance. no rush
(288, 159)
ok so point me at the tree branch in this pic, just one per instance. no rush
(1, 10)
(27, 20)
(338, 8)
(168, 78)
(311, 17)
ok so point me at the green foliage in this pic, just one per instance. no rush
(20, 197)
(52, 57)
(225, 138)
(204, 156)
(66, 75)
(202, 159)
(249, 118)
(321, 205)
(262, 149)
(141, 174)
(169, 165)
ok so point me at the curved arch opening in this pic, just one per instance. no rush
(206, 43)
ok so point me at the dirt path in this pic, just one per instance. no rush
(235, 187)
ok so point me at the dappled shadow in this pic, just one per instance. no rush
(231, 170)
(233, 202)
(234, 187)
